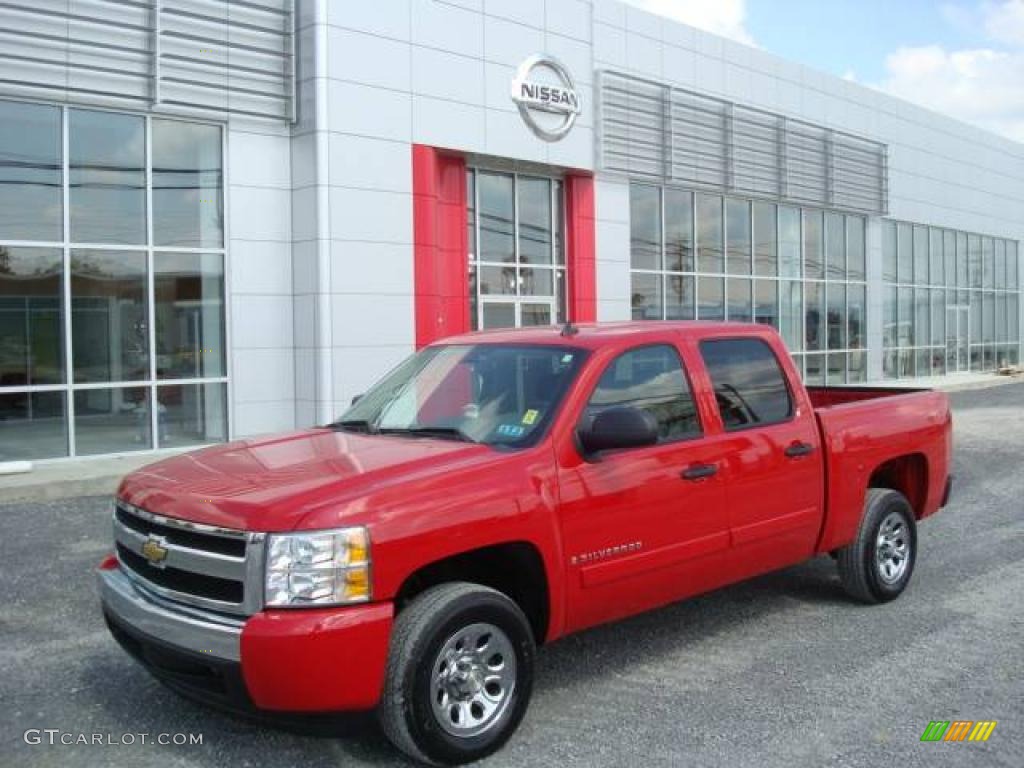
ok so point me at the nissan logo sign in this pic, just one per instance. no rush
(546, 96)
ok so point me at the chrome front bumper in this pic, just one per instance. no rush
(182, 627)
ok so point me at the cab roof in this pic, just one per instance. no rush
(592, 335)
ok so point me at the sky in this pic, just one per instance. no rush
(964, 58)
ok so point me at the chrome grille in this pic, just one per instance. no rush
(217, 569)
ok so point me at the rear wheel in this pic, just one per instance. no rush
(876, 567)
(459, 676)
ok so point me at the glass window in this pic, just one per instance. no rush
(31, 198)
(792, 314)
(766, 303)
(905, 252)
(974, 258)
(814, 316)
(815, 370)
(923, 314)
(188, 201)
(535, 314)
(534, 281)
(890, 318)
(737, 222)
(711, 298)
(836, 296)
(836, 373)
(857, 366)
(961, 260)
(814, 266)
(498, 281)
(499, 315)
(189, 292)
(921, 255)
(935, 256)
(1012, 265)
(112, 420)
(678, 230)
(650, 378)
(534, 200)
(31, 316)
(857, 317)
(938, 317)
(749, 385)
(906, 325)
(646, 296)
(644, 227)
(107, 168)
(999, 278)
(191, 414)
(789, 242)
(33, 425)
(835, 246)
(949, 256)
(889, 270)
(109, 318)
(709, 234)
(738, 291)
(988, 261)
(679, 297)
(855, 253)
(766, 258)
(497, 217)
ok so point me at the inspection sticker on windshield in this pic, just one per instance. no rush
(511, 430)
(567, 358)
(530, 417)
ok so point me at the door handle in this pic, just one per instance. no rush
(798, 449)
(699, 471)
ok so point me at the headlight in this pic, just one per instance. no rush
(318, 568)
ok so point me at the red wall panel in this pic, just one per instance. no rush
(581, 250)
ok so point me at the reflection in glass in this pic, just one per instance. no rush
(856, 316)
(740, 309)
(644, 227)
(789, 242)
(497, 217)
(107, 176)
(711, 302)
(189, 293)
(905, 254)
(905, 329)
(935, 263)
(679, 298)
(766, 259)
(814, 266)
(858, 367)
(536, 314)
(32, 426)
(921, 255)
(814, 316)
(889, 269)
(855, 255)
(766, 303)
(112, 420)
(709, 233)
(678, 230)
(737, 218)
(890, 317)
(31, 205)
(534, 221)
(188, 201)
(499, 315)
(974, 259)
(792, 314)
(191, 414)
(999, 281)
(987, 262)
(938, 317)
(835, 246)
(109, 320)
(949, 256)
(815, 375)
(498, 281)
(536, 282)
(836, 317)
(31, 316)
(645, 298)
(836, 368)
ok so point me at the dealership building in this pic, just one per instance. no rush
(221, 219)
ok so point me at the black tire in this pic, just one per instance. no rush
(864, 578)
(420, 633)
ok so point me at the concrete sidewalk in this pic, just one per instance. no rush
(96, 476)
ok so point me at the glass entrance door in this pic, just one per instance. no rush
(516, 249)
(957, 319)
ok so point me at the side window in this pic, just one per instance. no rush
(651, 378)
(750, 387)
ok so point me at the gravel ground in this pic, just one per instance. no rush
(779, 671)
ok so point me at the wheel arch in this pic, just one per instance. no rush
(907, 474)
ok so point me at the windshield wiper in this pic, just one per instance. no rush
(451, 433)
(353, 425)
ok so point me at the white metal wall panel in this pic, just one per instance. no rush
(649, 129)
(211, 56)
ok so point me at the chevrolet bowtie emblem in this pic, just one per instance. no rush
(154, 550)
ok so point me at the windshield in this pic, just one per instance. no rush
(498, 394)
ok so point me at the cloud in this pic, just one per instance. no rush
(722, 17)
(983, 86)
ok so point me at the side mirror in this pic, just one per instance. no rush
(619, 427)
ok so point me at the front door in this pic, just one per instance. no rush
(517, 269)
(637, 531)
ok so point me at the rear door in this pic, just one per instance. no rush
(643, 526)
(774, 472)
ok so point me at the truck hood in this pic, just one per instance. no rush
(271, 484)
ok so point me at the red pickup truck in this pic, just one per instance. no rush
(500, 490)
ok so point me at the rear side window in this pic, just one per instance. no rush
(750, 387)
(650, 378)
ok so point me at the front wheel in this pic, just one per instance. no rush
(459, 674)
(876, 567)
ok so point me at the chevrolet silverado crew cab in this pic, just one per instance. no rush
(497, 491)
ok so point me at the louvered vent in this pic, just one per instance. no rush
(211, 56)
(652, 130)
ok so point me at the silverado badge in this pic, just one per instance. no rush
(154, 551)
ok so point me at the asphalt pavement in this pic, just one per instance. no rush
(783, 670)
